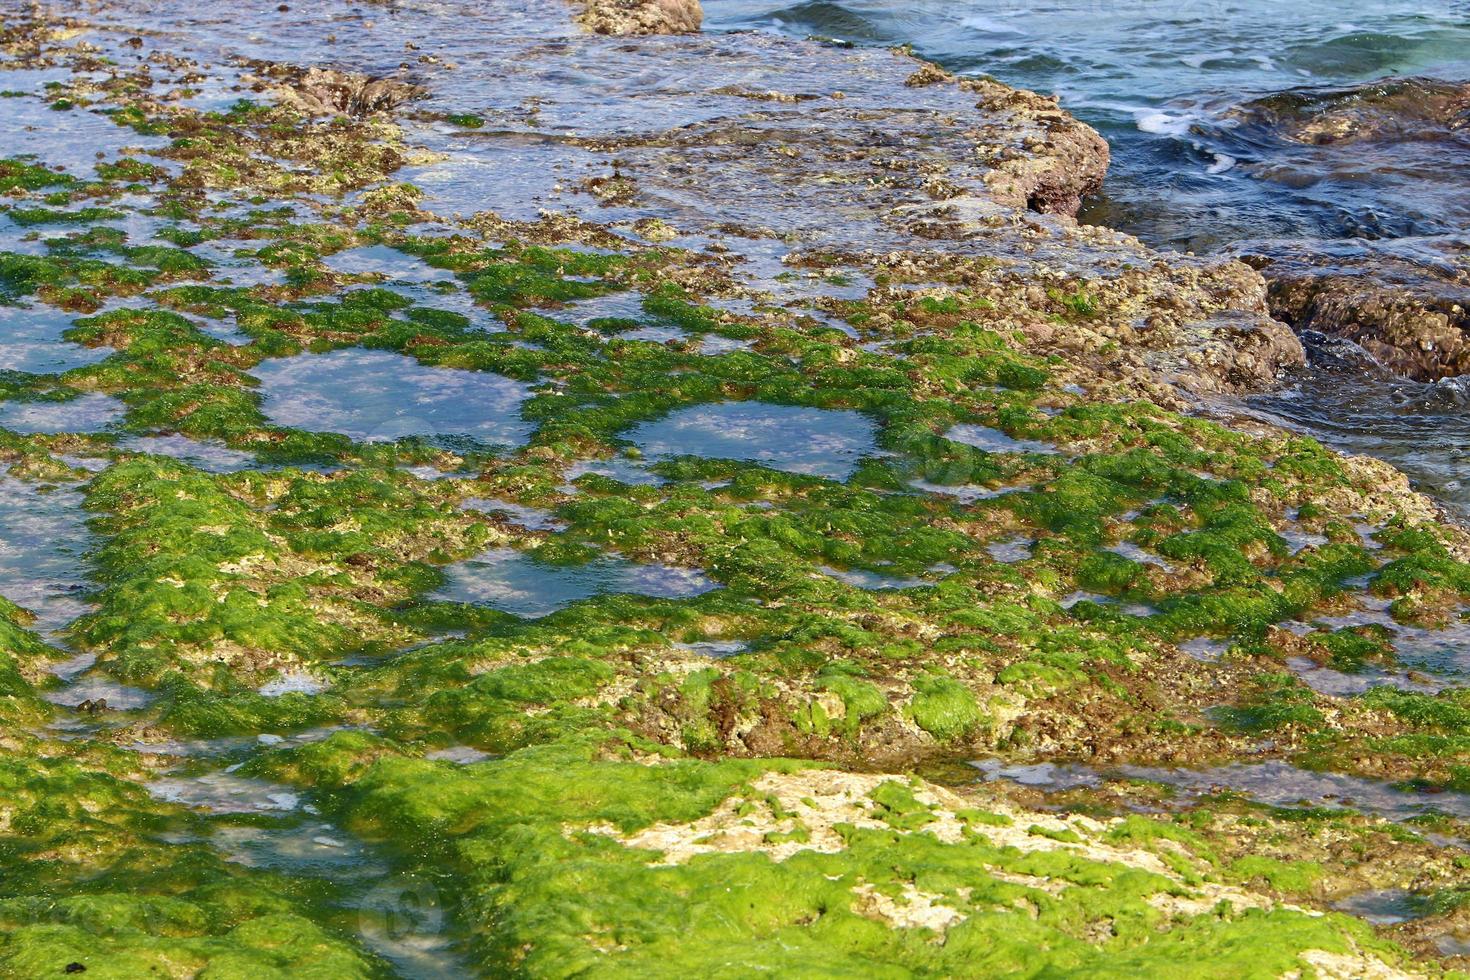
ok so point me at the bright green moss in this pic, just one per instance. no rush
(1294, 877)
(50, 216)
(945, 708)
(17, 174)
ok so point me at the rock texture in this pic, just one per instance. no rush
(1390, 110)
(322, 91)
(1410, 313)
(641, 17)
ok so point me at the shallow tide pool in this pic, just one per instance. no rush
(44, 541)
(376, 396)
(515, 582)
(809, 441)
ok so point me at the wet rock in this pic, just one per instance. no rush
(639, 17)
(1239, 352)
(1391, 110)
(1409, 307)
(1065, 162)
(326, 91)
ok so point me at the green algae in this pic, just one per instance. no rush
(162, 905)
(210, 584)
(20, 175)
(945, 708)
(505, 823)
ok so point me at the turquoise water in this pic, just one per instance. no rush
(1167, 83)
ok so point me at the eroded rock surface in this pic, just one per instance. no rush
(1406, 304)
(641, 17)
(330, 91)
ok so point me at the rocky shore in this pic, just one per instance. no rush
(542, 491)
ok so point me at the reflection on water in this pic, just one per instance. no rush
(30, 341)
(380, 260)
(808, 441)
(995, 441)
(871, 581)
(401, 917)
(206, 455)
(91, 412)
(515, 582)
(74, 138)
(1273, 783)
(376, 396)
(43, 545)
(1348, 402)
(1382, 907)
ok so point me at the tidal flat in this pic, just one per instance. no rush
(542, 490)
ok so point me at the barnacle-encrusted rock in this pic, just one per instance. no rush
(632, 17)
(1410, 312)
(329, 90)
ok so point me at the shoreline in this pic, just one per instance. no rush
(610, 560)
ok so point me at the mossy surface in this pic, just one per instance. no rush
(267, 722)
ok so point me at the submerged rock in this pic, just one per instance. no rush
(330, 90)
(1388, 110)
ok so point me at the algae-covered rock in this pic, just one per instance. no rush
(699, 505)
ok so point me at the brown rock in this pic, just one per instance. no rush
(1386, 110)
(1412, 316)
(641, 17)
(326, 91)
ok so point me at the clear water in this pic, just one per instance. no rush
(75, 139)
(30, 341)
(995, 441)
(530, 518)
(714, 649)
(620, 468)
(92, 412)
(1352, 404)
(1010, 550)
(515, 582)
(376, 396)
(99, 687)
(389, 263)
(401, 917)
(1273, 783)
(1325, 680)
(809, 441)
(515, 178)
(225, 792)
(871, 581)
(209, 456)
(963, 493)
(1382, 907)
(44, 541)
(230, 269)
